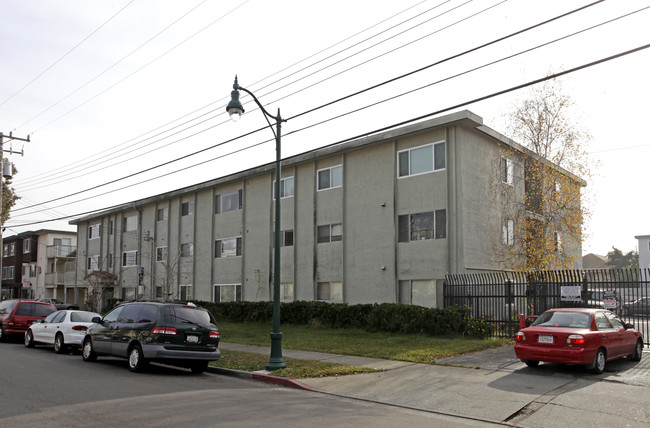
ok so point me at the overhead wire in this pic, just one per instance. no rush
(425, 116)
(356, 93)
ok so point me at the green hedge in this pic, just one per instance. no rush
(385, 317)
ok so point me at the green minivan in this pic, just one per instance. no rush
(178, 334)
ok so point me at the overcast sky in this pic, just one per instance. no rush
(108, 89)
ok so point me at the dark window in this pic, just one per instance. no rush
(129, 314)
(421, 226)
(113, 315)
(187, 208)
(330, 233)
(185, 315)
(82, 316)
(148, 314)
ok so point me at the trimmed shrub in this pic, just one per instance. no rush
(385, 317)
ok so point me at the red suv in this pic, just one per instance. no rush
(16, 315)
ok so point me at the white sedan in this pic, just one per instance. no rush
(61, 329)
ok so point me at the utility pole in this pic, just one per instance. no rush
(9, 137)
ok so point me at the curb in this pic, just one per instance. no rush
(261, 376)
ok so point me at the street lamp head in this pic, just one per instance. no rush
(234, 108)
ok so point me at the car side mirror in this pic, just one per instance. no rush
(629, 325)
(96, 320)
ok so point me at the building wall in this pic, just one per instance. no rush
(370, 263)
(644, 251)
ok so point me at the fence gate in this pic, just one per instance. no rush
(499, 298)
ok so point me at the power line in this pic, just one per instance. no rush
(422, 117)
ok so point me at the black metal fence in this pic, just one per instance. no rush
(499, 298)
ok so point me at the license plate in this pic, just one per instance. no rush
(545, 339)
(191, 338)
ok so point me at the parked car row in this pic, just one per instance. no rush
(178, 334)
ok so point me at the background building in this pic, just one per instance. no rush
(378, 219)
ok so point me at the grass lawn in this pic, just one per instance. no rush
(390, 346)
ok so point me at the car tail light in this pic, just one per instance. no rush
(80, 328)
(215, 335)
(575, 339)
(164, 330)
(521, 337)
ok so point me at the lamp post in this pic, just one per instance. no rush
(235, 110)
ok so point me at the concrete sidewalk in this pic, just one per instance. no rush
(490, 386)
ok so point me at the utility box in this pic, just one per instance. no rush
(7, 169)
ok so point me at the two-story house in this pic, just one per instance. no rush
(378, 219)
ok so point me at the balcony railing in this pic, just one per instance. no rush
(59, 250)
(54, 278)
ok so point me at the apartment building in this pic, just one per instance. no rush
(37, 264)
(378, 219)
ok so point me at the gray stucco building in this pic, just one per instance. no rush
(379, 219)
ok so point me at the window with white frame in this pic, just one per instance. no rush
(286, 291)
(230, 247)
(330, 291)
(187, 208)
(286, 238)
(5, 250)
(10, 249)
(421, 226)
(129, 223)
(226, 293)
(129, 258)
(185, 292)
(162, 214)
(330, 233)
(27, 245)
(421, 160)
(506, 170)
(161, 254)
(286, 187)
(330, 178)
(187, 250)
(93, 231)
(8, 272)
(508, 232)
(228, 202)
(92, 263)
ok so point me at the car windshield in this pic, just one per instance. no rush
(82, 316)
(563, 319)
(182, 315)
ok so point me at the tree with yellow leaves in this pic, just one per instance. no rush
(544, 169)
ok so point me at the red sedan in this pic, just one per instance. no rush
(589, 337)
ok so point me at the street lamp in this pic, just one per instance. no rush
(235, 110)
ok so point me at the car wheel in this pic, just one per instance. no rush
(638, 351)
(136, 359)
(531, 363)
(59, 344)
(29, 339)
(198, 367)
(87, 351)
(598, 366)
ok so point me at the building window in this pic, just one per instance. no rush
(228, 202)
(161, 254)
(27, 245)
(286, 238)
(418, 292)
(420, 160)
(129, 223)
(161, 214)
(109, 260)
(558, 241)
(286, 291)
(227, 248)
(330, 291)
(286, 187)
(506, 171)
(93, 263)
(10, 249)
(417, 227)
(129, 258)
(158, 292)
(330, 233)
(508, 232)
(227, 293)
(8, 272)
(185, 292)
(330, 177)
(187, 208)
(93, 231)
(110, 227)
(187, 250)
(128, 294)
